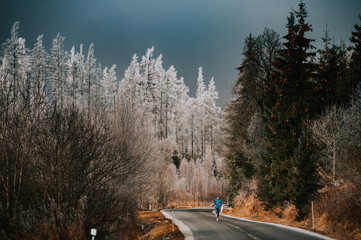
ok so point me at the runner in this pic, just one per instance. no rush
(218, 204)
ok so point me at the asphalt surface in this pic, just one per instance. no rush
(202, 222)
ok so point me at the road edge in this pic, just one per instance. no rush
(188, 235)
(296, 229)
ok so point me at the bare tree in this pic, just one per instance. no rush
(330, 131)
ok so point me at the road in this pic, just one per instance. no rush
(202, 223)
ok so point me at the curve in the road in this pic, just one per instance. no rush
(182, 227)
(203, 225)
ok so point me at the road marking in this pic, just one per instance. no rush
(250, 235)
(253, 237)
(282, 226)
(233, 226)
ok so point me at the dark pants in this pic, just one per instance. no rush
(218, 210)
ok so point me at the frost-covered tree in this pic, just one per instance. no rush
(130, 86)
(14, 64)
(39, 70)
(109, 86)
(213, 113)
(170, 99)
(147, 82)
(72, 80)
(58, 70)
(90, 73)
(163, 99)
(185, 126)
(181, 114)
(330, 130)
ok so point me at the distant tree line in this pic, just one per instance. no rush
(293, 123)
(188, 130)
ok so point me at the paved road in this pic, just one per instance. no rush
(203, 224)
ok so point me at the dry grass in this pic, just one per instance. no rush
(250, 207)
(156, 226)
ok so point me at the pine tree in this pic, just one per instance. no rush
(58, 70)
(292, 103)
(148, 83)
(181, 115)
(307, 178)
(239, 113)
(81, 73)
(200, 113)
(212, 117)
(73, 77)
(39, 70)
(170, 99)
(90, 72)
(130, 87)
(109, 86)
(355, 57)
(14, 64)
(332, 73)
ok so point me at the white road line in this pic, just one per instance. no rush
(250, 235)
(182, 227)
(253, 237)
(233, 226)
(284, 226)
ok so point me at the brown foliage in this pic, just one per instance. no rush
(342, 208)
(156, 226)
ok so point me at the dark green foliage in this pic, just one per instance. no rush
(306, 177)
(333, 73)
(264, 189)
(176, 160)
(293, 102)
(288, 93)
(356, 57)
(239, 112)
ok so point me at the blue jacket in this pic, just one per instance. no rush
(217, 203)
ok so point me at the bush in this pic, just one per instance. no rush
(342, 205)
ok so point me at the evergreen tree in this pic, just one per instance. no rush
(73, 77)
(248, 103)
(58, 70)
(130, 86)
(244, 104)
(14, 64)
(39, 69)
(109, 86)
(213, 112)
(200, 113)
(90, 72)
(292, 104)
(307, 178)
(355, 57)
(181, 115)
(170, 99)
(332, 73)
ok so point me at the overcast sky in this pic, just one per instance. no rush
(189, 33)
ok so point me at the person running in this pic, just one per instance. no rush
(218, 204)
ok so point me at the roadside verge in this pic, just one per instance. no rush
(182, 227)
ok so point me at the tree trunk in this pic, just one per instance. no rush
(334, 163)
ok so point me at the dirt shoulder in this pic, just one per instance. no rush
(156, 227)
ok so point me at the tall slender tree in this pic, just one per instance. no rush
(246, 94)
(356, 57)
(58, 70)
(293, 103)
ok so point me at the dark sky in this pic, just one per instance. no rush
(189, 33)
